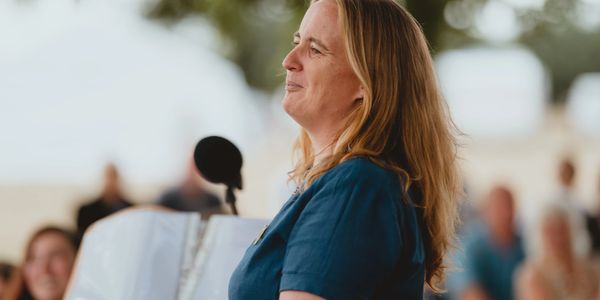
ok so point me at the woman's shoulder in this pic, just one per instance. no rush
(358, 174)
(362, 168)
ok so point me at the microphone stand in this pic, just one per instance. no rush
(230, 198)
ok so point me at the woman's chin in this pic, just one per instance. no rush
(288, 105)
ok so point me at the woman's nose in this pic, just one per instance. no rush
(291, 61)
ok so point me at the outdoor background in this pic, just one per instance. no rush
(136, 82)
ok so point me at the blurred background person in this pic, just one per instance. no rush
(558, 273)
(593, 224)
(45, 272)
(492, 253)
(5, 273)
(566, 181)
(566, 199)
(110, 201)
(192, 196)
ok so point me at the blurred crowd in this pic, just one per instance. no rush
(49, 256)
(558, 257)
(496, 258)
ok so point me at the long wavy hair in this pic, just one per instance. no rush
(402, 124)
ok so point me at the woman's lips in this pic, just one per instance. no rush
(291, 86)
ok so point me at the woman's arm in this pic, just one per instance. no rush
(298, 295)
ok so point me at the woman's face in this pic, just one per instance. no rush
(321, 87)
(48, 266)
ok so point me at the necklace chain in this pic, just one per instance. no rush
(300, 187)
(324, 148)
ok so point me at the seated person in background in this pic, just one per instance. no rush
(593, 226)
(492, 253)
(44, 275)
(566, 198)
(558, 273)
(111, 200)
(5, 272)
(191, 196)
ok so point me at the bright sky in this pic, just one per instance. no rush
(86, 82)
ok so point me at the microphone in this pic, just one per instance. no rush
(220, 161)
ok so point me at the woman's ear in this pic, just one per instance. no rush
(360, 95)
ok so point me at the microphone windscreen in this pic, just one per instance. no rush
(219, 161)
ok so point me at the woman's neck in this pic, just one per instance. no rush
(322, 148)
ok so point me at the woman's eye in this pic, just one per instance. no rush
(295, 43)
(315, 50)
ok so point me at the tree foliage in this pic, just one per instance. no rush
(256, 34)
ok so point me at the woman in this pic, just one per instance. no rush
(558, 274)
(45, 273)
(376, 206)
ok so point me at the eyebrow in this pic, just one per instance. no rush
(313, 40)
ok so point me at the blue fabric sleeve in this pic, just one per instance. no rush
(348, 238)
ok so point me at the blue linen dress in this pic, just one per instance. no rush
(353, 234)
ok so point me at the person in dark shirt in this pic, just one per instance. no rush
(110, 201)
(191, 196)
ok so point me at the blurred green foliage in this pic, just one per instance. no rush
(566, 49)
(256, 34)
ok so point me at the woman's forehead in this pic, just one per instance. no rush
(321, 20)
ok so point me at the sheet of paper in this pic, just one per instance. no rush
(134, 254)
(225, 242)
(154, 254)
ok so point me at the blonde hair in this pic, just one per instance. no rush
(402, 123)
